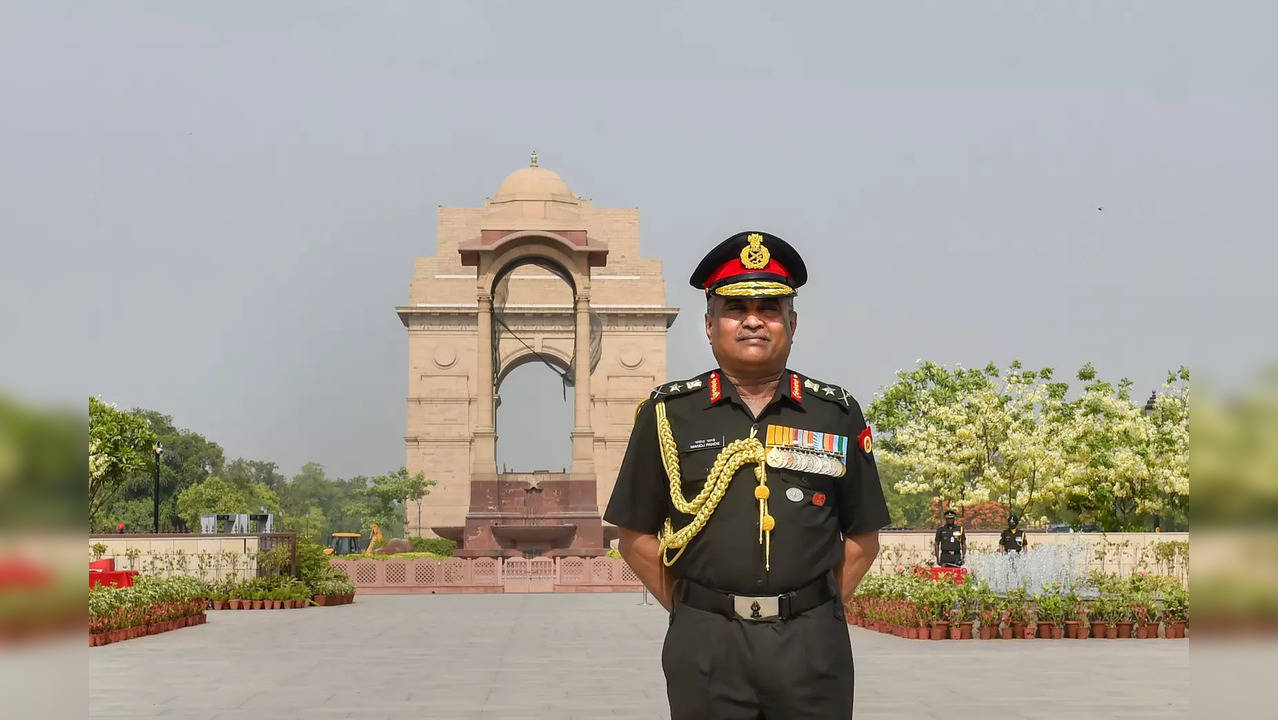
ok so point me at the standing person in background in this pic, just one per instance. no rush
(949, 546)
(1013, 538)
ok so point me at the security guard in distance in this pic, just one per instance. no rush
(1013, 538)
(949, 546)
(748, 502)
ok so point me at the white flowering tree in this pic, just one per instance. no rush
(1124, 460)
(120, 444)
(1013, 438)
(973, 436)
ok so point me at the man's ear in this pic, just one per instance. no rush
(709, 325)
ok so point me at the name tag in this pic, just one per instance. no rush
(704, 444)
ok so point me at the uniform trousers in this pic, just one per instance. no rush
(720, 668)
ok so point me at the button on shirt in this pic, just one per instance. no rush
(813, 512)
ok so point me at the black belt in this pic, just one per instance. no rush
(758, 607)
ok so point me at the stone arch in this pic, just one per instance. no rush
(523, 356)
(548, 250)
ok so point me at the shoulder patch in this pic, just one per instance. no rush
(682, 387)
(826, 391)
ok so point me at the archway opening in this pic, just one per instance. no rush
(534, 420)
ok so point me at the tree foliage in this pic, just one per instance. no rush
(1014, 438)
(120, 444)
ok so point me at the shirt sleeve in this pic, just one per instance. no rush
(862, 508)
(638, 499)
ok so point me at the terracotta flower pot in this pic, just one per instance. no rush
(1018, 629)
(1044, 629)
(1058, 632)
(965, 630)
(1149, 630)
(259, 604)
(1072, 628)
(956, 632)
(1098, 628)
(1123, 629)
(1005, 632)
(923, 632)
(987, 632)
(940, 630)
(1176, 629)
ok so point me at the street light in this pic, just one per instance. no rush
(159, 449)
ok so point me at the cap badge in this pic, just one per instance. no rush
(754, 256)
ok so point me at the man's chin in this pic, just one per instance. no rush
(755, 356)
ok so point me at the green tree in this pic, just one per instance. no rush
(312, 524)
(383, 500)
(216, 495)
(912, 510)
(120, 444)
(1123, 462)
(212, 495)
(249, 472)
(969, 437)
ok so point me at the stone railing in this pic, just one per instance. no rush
(490, 575)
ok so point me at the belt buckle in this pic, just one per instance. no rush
(757, 608)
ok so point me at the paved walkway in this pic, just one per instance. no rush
(578, 656)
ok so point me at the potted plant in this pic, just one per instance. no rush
(1145, 615)
(1082, 615)
(218, 596)
(1124, 616)
(1048, 607)
(1175, 611)
(1104, 611)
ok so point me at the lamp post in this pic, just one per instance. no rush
(159, 449)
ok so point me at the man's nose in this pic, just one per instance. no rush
(752, 320)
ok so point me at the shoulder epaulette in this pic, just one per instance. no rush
(826, 391)
(682, 387)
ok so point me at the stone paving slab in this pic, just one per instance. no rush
(574, 656)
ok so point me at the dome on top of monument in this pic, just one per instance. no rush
(534, 183)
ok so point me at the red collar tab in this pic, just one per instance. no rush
(716, 388)
(796, 388)
(866, 441)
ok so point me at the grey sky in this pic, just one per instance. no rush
(212, 210)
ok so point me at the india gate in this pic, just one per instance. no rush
(535, 274)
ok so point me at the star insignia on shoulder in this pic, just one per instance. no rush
(829, 393)
(674, 389)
